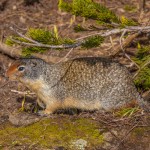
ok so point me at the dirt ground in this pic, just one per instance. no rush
(45, 14)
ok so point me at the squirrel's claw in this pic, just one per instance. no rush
(42, 113)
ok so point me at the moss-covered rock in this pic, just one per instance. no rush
(50, 133)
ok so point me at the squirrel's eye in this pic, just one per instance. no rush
(21, 68)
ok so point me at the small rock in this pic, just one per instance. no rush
(79, 144)
(23, 119)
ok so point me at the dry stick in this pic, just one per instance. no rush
(79, 41)
(124, 49)
(21, 35)
(17, 53)
(128, 57)
(48, 46)
(127, 41)
(65, 57)
(117, 31)
(13, 52)
(146, 64)
(120, 40)
(38, 44)
(111, 41)
(22, 93)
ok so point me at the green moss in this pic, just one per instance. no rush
(40, 35)
(88, 9)
(95, 11)
(142, 81)
(93, 42)
(53, 132)
(79, 28)
(9, 41)
(127, 22)
(142, 53)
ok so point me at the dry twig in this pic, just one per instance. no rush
(65, 57)
(126, 42)
(17, 53)
(146, 64)
(122, 48)
(22, 93)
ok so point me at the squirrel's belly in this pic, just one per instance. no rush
(71, 102)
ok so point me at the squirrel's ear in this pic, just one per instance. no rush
(33, 63)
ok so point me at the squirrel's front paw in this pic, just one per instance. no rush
(43, 113)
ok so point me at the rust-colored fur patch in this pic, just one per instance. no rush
(12, 69)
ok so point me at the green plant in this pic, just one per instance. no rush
(42, 36)
(142, 81)
(127, 112)
(88, 9)
(94, 41)
(127, 22)
(79, 28)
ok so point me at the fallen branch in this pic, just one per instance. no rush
(37, 44)
(79, 41)
(117, 31)
(17, 53)
(126, 42)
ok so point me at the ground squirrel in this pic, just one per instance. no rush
(85, 83)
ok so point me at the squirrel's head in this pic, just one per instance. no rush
(26, 68)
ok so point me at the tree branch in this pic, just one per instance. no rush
(79, 41)
(17, 53)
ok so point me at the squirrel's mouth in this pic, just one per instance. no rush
(12, 78)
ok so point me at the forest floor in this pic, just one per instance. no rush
(70, 129)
